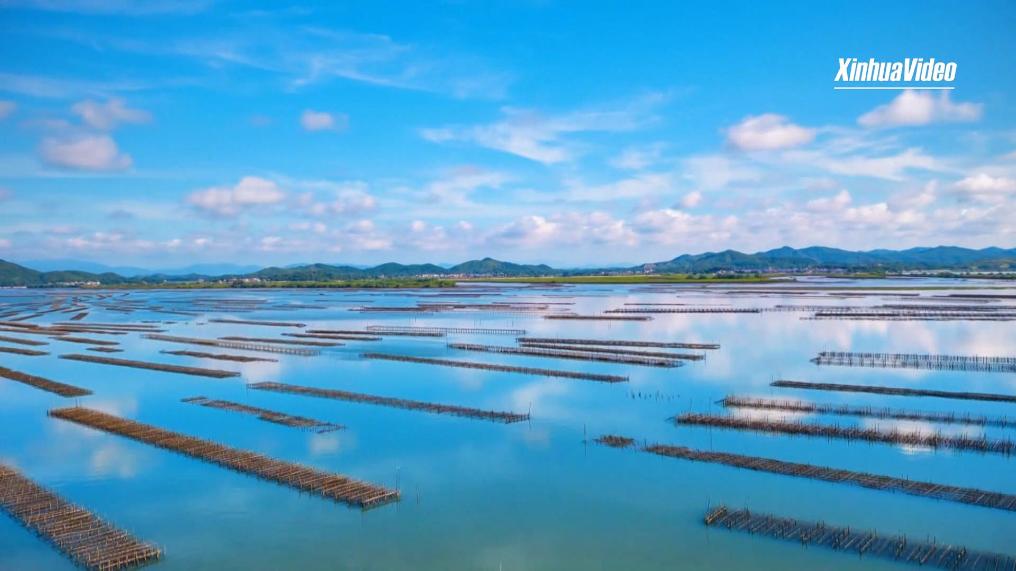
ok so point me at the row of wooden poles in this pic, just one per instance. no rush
(88, 540)
(796, 406)
(964, 495)
(571, 352)
(329, 485)
(265, 414)
(917, 361)
(907, 438)
(863, 542)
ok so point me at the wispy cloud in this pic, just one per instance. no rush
(541, 137)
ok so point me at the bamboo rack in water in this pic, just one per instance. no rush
(221, 356)
(87, 341)
(617, 343)
(895, 391)
(640, 310)
(281, 341)
(912, 361)
(371, 332)
(505, 417)
(733, 401)
(441, 331)
(336, 336)
(79, 316)
(196, 371)
(55, 387)
(266, 415)
(909, 438)
(329, 485)
(243, 346)
(870, 543)
(575, 353)
(614, 351)
(82, 536)
(500, 368)
(599, 317)
(20, 351)
(254, 322)
(20, 341)
(972, 496)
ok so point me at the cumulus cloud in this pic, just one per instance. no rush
(913, 108)
(768, 132)
(6, 108)
(349, 198)
(569, 228)
(983, 187)
(84, 152)
(692, 199)
(109, 115)
(828, 204)
(249, 192)
(312, 120)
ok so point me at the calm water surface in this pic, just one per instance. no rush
(480, 495)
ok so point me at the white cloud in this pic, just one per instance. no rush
(84, 152)
(108, 115)
(920, 108)
(538, 137)
(833, 203)
(888, 167)
(460, 183)
(692, 199)
(768, 132)
(6, 108)
(312, 120)
(637, 158)
(983, 187)
(570, 228)
(349, 198)
(5, 244)
(718, 171)
(250, 191)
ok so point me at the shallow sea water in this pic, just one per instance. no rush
(535, 495)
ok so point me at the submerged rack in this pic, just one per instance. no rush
(326, 484)
(576, 353)
(241, 345)
(369, 332)
(255, 322)
(617, 343)
(196, 371)
(505, 417)
(280, 341)
(793, 406)
(972, 496)
(282, 418)
(918, 361)
(615, 351)
(869, 543)
(599, 317)
(54, 387)
(909, 438)
(495, 367)
(896, 391)
(439, 331)
(220, 356)
(81, 535)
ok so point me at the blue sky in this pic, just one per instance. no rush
(171, 132)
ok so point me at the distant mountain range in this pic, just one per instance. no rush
(784, 259)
